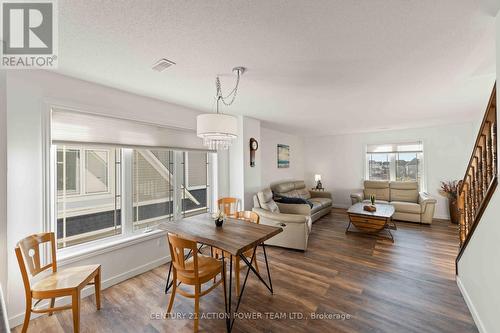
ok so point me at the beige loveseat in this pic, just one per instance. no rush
(409, 204)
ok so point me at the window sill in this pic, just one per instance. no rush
(71, 255)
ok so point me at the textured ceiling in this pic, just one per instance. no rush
(316, 67)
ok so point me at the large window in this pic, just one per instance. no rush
(103, 192)
(397, 162)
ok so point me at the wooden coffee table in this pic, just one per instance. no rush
(371, 222)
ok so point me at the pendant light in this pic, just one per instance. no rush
(218, 130)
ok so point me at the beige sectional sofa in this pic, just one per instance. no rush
(295, 219)
(321, 201)
(409, 204)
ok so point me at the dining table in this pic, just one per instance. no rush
(235, 237)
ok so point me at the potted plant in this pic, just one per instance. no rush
(449, 189)
(218, 218)
(372, 199)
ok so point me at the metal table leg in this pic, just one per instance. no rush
(229, 319)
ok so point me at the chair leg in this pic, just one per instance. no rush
(196, 306)
(52, 303)
(27, 316)
(76, 310)
(237, 274)
(172, 295)
(256, 266)
(97, 286)
(216, 255)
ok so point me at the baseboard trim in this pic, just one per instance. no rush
(471, 306)
(89, 290)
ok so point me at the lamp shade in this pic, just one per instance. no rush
(317, 178)
(216, 129)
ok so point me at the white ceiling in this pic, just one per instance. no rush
(315, 67)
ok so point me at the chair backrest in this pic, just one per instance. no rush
(177, 247)
(228, 205)
(28, 255)
(248, 215)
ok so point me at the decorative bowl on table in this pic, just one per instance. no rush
(370, 208)
(218, 218)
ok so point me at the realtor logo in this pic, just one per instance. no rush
(29, 34)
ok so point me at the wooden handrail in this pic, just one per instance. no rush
(481, 177)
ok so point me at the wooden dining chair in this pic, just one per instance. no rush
(248, 216)
(65, 282)
(228, 205)
(195, 271)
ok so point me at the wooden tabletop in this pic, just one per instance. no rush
(383, 210)
(235, 236)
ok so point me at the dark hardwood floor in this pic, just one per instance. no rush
(376, 285)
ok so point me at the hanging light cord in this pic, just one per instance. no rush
(232, 94)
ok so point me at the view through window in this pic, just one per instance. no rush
(397, 162)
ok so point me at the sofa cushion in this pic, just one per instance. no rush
(379, 193)
(404, 191)
(303, 193)
(380, 184)
(266, 201)
(406, 207)
(323, 202)
(283, 188)
(316, 207)
(290, 194)
(299, 184)
(378, 188)
(367, 201)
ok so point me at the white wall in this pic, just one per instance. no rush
(268, 147)
(478, 268)
(244, 180)
(253, 182)
(236, 165)
(3, 182)
(27, 91)
(341, 159)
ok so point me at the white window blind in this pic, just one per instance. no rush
(196, 171)
(68, 126)
(395, 147)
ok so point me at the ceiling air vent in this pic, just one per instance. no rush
(162, 64)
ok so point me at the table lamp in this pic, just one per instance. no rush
(317, 179)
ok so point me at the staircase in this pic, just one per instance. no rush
(481, 177)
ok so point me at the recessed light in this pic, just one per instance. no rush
(162, 64)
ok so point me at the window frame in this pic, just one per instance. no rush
(82, 191)
(188, 187)
(392, 161)
(83, 195)
(167, 217)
